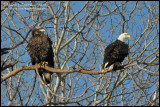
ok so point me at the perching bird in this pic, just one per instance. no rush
(115, 52)
(41, 52)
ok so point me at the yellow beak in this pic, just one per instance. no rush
(128, 36)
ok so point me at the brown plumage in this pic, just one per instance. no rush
(40, 50)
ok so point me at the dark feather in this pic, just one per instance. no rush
(40, 50)
(4, 51)
(115, 52)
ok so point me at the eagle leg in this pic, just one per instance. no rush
(118, 66)
(44, 63)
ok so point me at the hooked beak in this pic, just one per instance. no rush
(128, 36)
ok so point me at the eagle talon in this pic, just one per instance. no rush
(44, 63)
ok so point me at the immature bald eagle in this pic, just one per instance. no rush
(115, 52)
(40, 51)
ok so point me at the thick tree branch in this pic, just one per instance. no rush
(32, 67)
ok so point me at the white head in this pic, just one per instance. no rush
(123, 36)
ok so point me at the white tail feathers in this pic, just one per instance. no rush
(108, 68)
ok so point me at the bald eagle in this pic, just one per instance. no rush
(40, 50)
(115, 52)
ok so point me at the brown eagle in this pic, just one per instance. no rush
(40, 51)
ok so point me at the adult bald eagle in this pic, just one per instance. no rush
(40, 51)
(115, 53)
